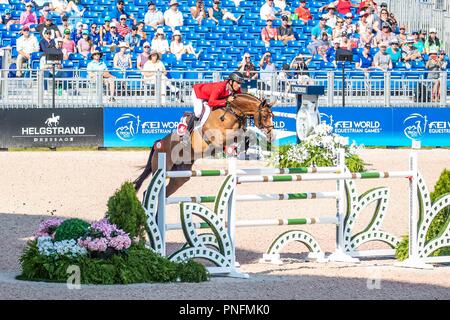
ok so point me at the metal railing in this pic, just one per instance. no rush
(74, 88)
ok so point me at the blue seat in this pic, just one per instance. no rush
(168, 58)
(212, 36)
(230, 36)
(188, 57)
(223, 44)
(240, 44)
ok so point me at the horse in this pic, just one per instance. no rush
(232, 117)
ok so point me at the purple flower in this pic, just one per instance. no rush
(48, 227)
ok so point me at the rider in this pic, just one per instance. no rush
(214, 95)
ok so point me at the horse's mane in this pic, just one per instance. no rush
(248, 96)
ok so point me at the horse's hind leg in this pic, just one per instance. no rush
(175, 183)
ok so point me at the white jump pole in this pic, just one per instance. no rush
(161, 213)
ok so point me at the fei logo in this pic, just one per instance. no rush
(127, 126)
(326, 119)
(416, 125)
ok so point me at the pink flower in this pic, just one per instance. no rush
(47, 227)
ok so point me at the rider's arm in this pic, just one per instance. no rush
(215, 100)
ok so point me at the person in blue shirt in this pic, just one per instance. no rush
(365, 59)
(96, 66)
(394, 51)
(94, 34)
(47, 41)
(331, 52)
(316, 34)
(133, 39)
(112, 38)
(77, 33)
(120, 10)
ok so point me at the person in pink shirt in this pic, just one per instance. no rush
(85, 45)
(269, 32)
(28, 17)
(68, 45)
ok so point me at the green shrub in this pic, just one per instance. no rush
(71, 229)
(136, 265)
(125, 211)
(438, 224)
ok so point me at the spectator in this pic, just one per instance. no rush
(268, 69)
(198, 12)
(330, 56)
(385, 19)
(68, 46)
(112, 38)
(217, 14)
(423, 36)
(285, 32)
(300, 65)
(64, 6)
(432, 43)
(25, 45)
(402, 36)
(160, 43)
(247, 68)
(394, 51)
(302, 12)
(141, 31)
(150, 70)
(344, 41)
(85, 45)
(435, 65)
(96, 66)
(94, 34)
(46, 41)
(178, 48)
(323, 44)
(382, 59)
(173, 17)
(48, 67)
(355, 39)
(280, 8)
(267, 10)
(419, 45)
(343, 6)
(363, 23)
(45, 12)
(410, 52)
(28, 17)
(120, 10)
(367, 4)
(366, 36)
(316, 34)
(144, 56)
(122, 60)
(153, 17)
(332, 18)
(385, 35)
(348, 23)
(77, 34)
(48, 25)
(122, 28)
(105, 28)
(338, 29)
(269, 32)
(365, 59)
(65, 25)
(133, 39)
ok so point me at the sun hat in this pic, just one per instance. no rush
(160, 31)
(79, 24)
(146, 44)
(433, 51)
(85, 32)
(432, 30)
(394, 41)
(7, 11)
(247, 55)
(349, 15)
(176, 33)
(25, 28)
(123, 16)
(324, 17)
(107, 18)
(409, 40)
(113, 25)
(331, 6)
(66, 31)
(154, 52)
(173, 3)
(363, 13)
(97, 52)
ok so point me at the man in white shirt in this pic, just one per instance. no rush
(173, 17)
(267, 9)
(26, 45)
(153, 17)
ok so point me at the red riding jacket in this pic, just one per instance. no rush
(215, 93)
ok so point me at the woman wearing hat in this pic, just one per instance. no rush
(85, 45)
(144, 56)
(247, 68)
(178, 48)
(154, 66)
(96, 66)
(172, 16)
(68, 45)
(28, 17)
(160, 43)
(432, 43)
(104, 29)
(122, 60)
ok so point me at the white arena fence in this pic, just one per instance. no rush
(73, 88)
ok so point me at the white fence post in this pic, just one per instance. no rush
(443, 93)
(40, 87)
(330, 88)
(158, 89)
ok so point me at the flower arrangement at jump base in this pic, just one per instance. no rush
(319, 149)
(103, 251)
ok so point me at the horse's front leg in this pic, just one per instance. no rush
(175, 183)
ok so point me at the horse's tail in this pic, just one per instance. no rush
(147, 171)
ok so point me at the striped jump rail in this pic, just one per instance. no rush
(250, 172)
(258, 197)
(264, 222)
(317, 177)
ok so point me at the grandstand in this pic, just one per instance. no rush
(223, 47)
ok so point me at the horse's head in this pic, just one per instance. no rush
(259, 110)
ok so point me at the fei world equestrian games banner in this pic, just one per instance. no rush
(374, 126)
(47, 127)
